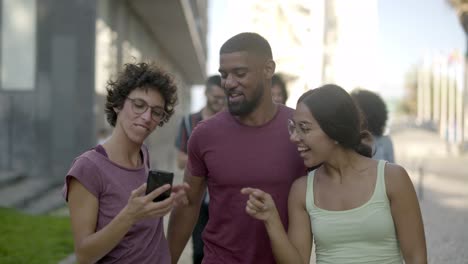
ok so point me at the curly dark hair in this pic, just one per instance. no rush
(373, 108)
(143, 76)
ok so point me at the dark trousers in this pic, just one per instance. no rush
(197, 234)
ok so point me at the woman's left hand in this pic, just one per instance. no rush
(180, 194)
(260, 204)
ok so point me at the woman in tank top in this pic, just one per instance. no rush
(113, 221)
(356, 209)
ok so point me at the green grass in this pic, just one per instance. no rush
(33, 238)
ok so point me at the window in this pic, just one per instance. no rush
(18, 45)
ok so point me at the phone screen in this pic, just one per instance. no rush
(156, 179)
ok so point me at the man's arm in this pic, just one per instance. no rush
(183, 218)
(181, 159)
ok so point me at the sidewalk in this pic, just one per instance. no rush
(441, 181)
(421, 147)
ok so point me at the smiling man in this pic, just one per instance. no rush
(248, 145)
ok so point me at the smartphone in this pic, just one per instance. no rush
(156, 179)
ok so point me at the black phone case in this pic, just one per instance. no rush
(156, 179)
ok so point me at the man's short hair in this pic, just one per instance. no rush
(249, 42)
(211, 81)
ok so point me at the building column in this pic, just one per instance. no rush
(66, 59)
(443, 127)
(452, 93)
(459, 107)
(420, 95)
(436, 95)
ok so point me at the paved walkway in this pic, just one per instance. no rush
(441, 180)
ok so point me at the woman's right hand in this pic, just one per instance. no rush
(260, 204)
(141, 206)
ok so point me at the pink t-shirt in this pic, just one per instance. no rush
(112, 184)
(232, 156)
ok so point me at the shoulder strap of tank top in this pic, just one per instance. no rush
(380, 184)
(310, 191)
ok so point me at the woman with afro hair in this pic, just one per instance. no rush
(375, 112)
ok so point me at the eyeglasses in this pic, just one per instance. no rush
(139, 106)
(301, 129)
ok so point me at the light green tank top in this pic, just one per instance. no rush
(365, 234)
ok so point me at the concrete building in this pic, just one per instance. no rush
(330, 38)
(294, 30)
(350, 55)
(56, 57)
(317, 42)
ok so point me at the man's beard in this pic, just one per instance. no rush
(246, 107)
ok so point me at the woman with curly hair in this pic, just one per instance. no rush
(113, 221)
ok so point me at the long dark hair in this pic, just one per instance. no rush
(338, 116)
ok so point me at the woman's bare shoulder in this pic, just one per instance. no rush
(396, 179)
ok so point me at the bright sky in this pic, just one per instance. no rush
(407, 29)
(224, 23)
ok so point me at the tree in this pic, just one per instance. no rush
(408, 104)
(461, 7)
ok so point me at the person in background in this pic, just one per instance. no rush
(215, 102)
(376, 114)
(112, 219)
(246, 145)
(102, 136)
(356, 209)
(278, 90)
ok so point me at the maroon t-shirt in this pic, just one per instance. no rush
(232, 156)
(112, 185)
